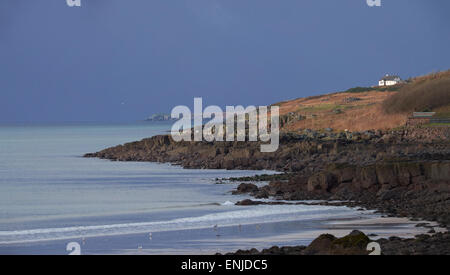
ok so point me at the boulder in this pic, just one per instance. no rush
(244, 188)
(248, 202)
(321, 245)
(353, 244)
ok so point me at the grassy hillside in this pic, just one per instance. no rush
(424, 94)
(362, 109)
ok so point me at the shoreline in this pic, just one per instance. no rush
(202, 240)
(398, 173)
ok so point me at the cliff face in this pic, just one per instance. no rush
(308, 150)
(419, 189)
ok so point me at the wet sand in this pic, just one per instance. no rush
(208, 241)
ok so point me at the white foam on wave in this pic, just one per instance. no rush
(252, 215)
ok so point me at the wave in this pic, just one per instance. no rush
(254, 215)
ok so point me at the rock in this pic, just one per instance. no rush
(248, 202)
(244, 188)
(368, 177)
(385, 174)
(345, 174)
(321, 245)
(423, 224)
(440, 171)
(393, 194)
(323, 181)
(262, 194)
(353, 244)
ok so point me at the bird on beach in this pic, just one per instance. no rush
(150, 236)
(215, 227)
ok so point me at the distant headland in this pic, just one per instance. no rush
(160, 117)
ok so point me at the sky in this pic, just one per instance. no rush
(123, 60)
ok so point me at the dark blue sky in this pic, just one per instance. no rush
(122, 60)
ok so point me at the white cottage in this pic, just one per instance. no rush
(389, 80)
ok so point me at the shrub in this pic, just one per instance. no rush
(422, 94)
(369, 89)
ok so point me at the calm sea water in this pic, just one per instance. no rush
(50, 195)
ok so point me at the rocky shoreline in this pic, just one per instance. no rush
(403, 173)
(356, 244)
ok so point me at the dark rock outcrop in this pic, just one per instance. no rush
(438, 244)
(356, 244)
(406, 189)
(309, 150)
(245, 188)
(353, 244)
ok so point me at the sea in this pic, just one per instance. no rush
(54, 201)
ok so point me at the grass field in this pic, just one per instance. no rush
(370, 109)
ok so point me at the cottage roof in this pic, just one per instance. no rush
(390, 77)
